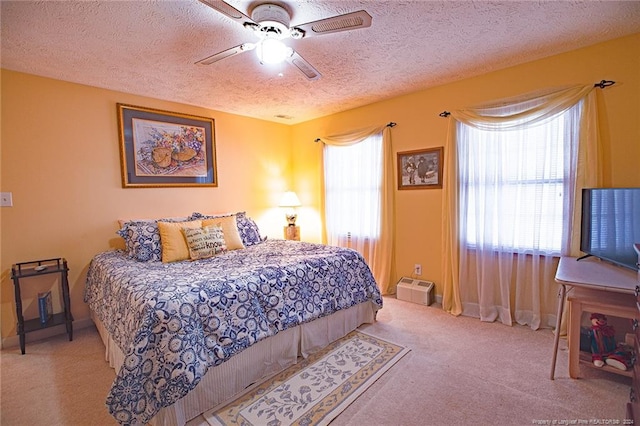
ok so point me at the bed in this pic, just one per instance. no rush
(186, 336)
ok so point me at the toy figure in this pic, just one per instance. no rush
(603, 345)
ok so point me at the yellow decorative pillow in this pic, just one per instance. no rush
(229, 226)
(204, 242)
(174, 245)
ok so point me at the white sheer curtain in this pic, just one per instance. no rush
(513, 185)
(358, 185)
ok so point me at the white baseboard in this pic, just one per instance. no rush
(14, 341)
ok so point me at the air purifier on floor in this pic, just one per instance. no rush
(416, 291)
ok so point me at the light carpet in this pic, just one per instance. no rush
(317, 389)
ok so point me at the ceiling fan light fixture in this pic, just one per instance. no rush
(270, 22)
(272, 51)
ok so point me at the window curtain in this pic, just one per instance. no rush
(376, 247)
(485, 280)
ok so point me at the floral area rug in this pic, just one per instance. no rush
(317, 389)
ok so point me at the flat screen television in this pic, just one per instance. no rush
(611, 224)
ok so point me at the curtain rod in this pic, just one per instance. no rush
(602, 84)
(390, 124)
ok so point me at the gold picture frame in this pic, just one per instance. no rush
(165, 149)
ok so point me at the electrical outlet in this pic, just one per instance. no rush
(417, 269)
(6, 199)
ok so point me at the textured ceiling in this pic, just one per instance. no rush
(149, 48)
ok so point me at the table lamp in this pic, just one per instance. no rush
(290, 201)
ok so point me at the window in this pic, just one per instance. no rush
(513, 185)
(512, 196)
(353, 177)
(359, 196)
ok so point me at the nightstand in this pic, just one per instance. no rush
(292, 233)
(24, 270)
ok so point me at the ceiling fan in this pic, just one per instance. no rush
(270, 22)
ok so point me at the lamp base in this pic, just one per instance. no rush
(291, 219)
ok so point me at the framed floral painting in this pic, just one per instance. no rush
(420, 169)
(162, 149)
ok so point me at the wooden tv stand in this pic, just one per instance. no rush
(595, 286)
(608, 303)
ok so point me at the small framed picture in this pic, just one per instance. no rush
(420, 169)
(163, 149)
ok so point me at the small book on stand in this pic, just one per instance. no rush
(45, 307)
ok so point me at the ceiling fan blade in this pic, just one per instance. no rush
(228, 10)
(226, 54)
(305, 67)
(346, 22)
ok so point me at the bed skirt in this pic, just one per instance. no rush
(255, 364)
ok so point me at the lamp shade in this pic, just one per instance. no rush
(289, 199)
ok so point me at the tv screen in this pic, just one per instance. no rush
(611, 224)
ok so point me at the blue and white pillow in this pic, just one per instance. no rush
(142, 238)
(248, 229)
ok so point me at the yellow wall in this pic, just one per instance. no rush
(60, 159)
(418, 236)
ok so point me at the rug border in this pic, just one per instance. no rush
(374, 378)
(211, 419)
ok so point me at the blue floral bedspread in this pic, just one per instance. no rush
(175, 320)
